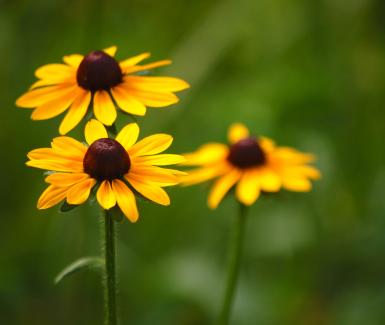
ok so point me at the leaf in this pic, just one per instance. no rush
(78, 265)
(66, 207)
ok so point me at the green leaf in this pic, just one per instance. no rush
(78, 265)
(66, 207)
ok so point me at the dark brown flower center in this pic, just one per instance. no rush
(98, 71)
(246, 153)
(106, 159)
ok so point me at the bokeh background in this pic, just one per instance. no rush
(310, 74)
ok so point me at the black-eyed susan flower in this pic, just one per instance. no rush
(114, 168)
(252, 164)
(98, 79)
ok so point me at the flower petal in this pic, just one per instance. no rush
(237, 132)
(268, 180)
(248, 188)
(137, 68)
(69, 147)
(94, 130)
(38, 97)
(51, 196)
(127, 102)
(296, 184)
(54, 107)
(151, 145)
(152, 174)
(150, 191)
(207, 154)
(104, 108)
(105, 195)
(133, 60)
(65, 179)
(160, 160)
(64, 166)
(111, 51)
(151, 98)
(76, 112)
(128, 135)
(158, 84)
(73, 60)
(125, 199)
(221, 187)
(54, 69)
(80, 192)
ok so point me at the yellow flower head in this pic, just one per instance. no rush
(254, 164)
(114, 167)
(100, 79)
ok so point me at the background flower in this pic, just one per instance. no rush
(255, 164)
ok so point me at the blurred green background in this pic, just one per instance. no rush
(310, 74)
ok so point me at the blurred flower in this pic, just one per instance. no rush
(100, 79)
(254, 164)
(113, 167)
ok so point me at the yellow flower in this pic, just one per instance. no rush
(100, 79)
(115, 167)
(252, 164)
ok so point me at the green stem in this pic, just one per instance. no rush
(234, 266)
(109, 280)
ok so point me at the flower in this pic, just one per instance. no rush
(252, 164)
(114, 168)
(99, 79)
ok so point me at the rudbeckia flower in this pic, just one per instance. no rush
(253, 164)
(98, 79)
(114, 169)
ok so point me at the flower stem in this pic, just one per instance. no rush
(234, 265)
(109, 278)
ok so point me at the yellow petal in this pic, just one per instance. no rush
(303, 171)
(128, 135)
(111, 51)
(151, 145)
(207, 154)
(152, 98)
(134, 60)
(94, 130)
(38, 97)
(137, 68)
(160, 160)
(104, 108)
(161, 84)
(248, 189)
(54, 69)
(51, 196)
(76, 112)
(151, 191)
(80, 192)
(127, 102)
(73, 60)
(237, 132)
(296, 184)
(152, 174)
(125, 199)
(266, 144)
(289, 155)
(203, 174)
(106, 196)
(53, 81)
(65, 166)
(268, 180)
(65, 179)
(68, 147)
(54, 107)
(221, 187)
